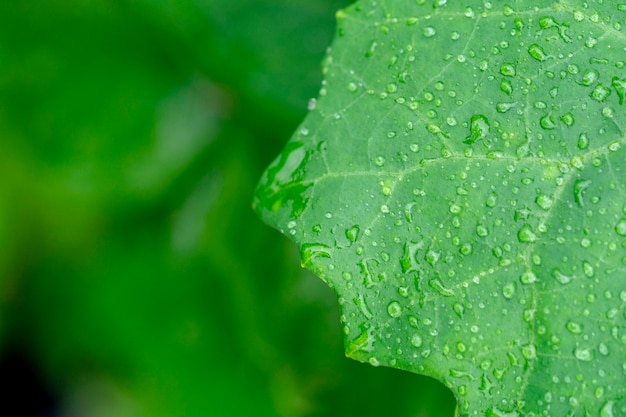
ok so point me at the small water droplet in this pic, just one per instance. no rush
(353, 233)
(374, 362)
(459, 309)
(620, 88)
(583, 354)
(506, 86)
(508, 69)
(600, 93)
(429, 32)
(574, 327)
(416, 340)
(529, 351)
(509, 290)
(504, 107)
(441, 289)
(537, 52)
(561, 277)
(620, 227)
(526, 234)
(394, 309)
(607, 409)
(547, 122)
(544, 201)
(481, 230)
(466, 249)
(579, 189)
(528, 277)
(568, 119)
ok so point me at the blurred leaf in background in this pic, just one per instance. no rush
(134, 278)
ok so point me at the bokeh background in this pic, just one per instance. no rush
(135, 280)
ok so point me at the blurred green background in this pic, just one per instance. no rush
(135, 278)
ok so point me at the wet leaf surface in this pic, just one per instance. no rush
(460, 184)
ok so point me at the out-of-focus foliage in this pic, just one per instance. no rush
(134, 276)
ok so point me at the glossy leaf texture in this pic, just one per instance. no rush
(460, 182)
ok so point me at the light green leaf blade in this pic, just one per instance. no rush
(460, 184)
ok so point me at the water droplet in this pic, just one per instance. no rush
(528, 277)
(509, 290)
(568, 119)
(607, 409)
(537, 52)
(546, 122)
(353, 233)
(379, 161)
(481, 230)
(506, 86)
(374, 362)
(579, 189)
(583, 354)
(620, 88)
(544, 201)
(466, 249)
(583, 141)
(589, 77)
(529, 351)
(561, 277)
(394, 309)
(508, 69)
(459, 309)
(620, 227)
(526, 234)
(600, 93)
(504, 107)
(416, 340)
(491, 200)
(310, 251)
(429, 32)
(432, 257)
(574, 327)
(441, 289)
(371, 49)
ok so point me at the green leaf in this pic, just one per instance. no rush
(460, 184)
